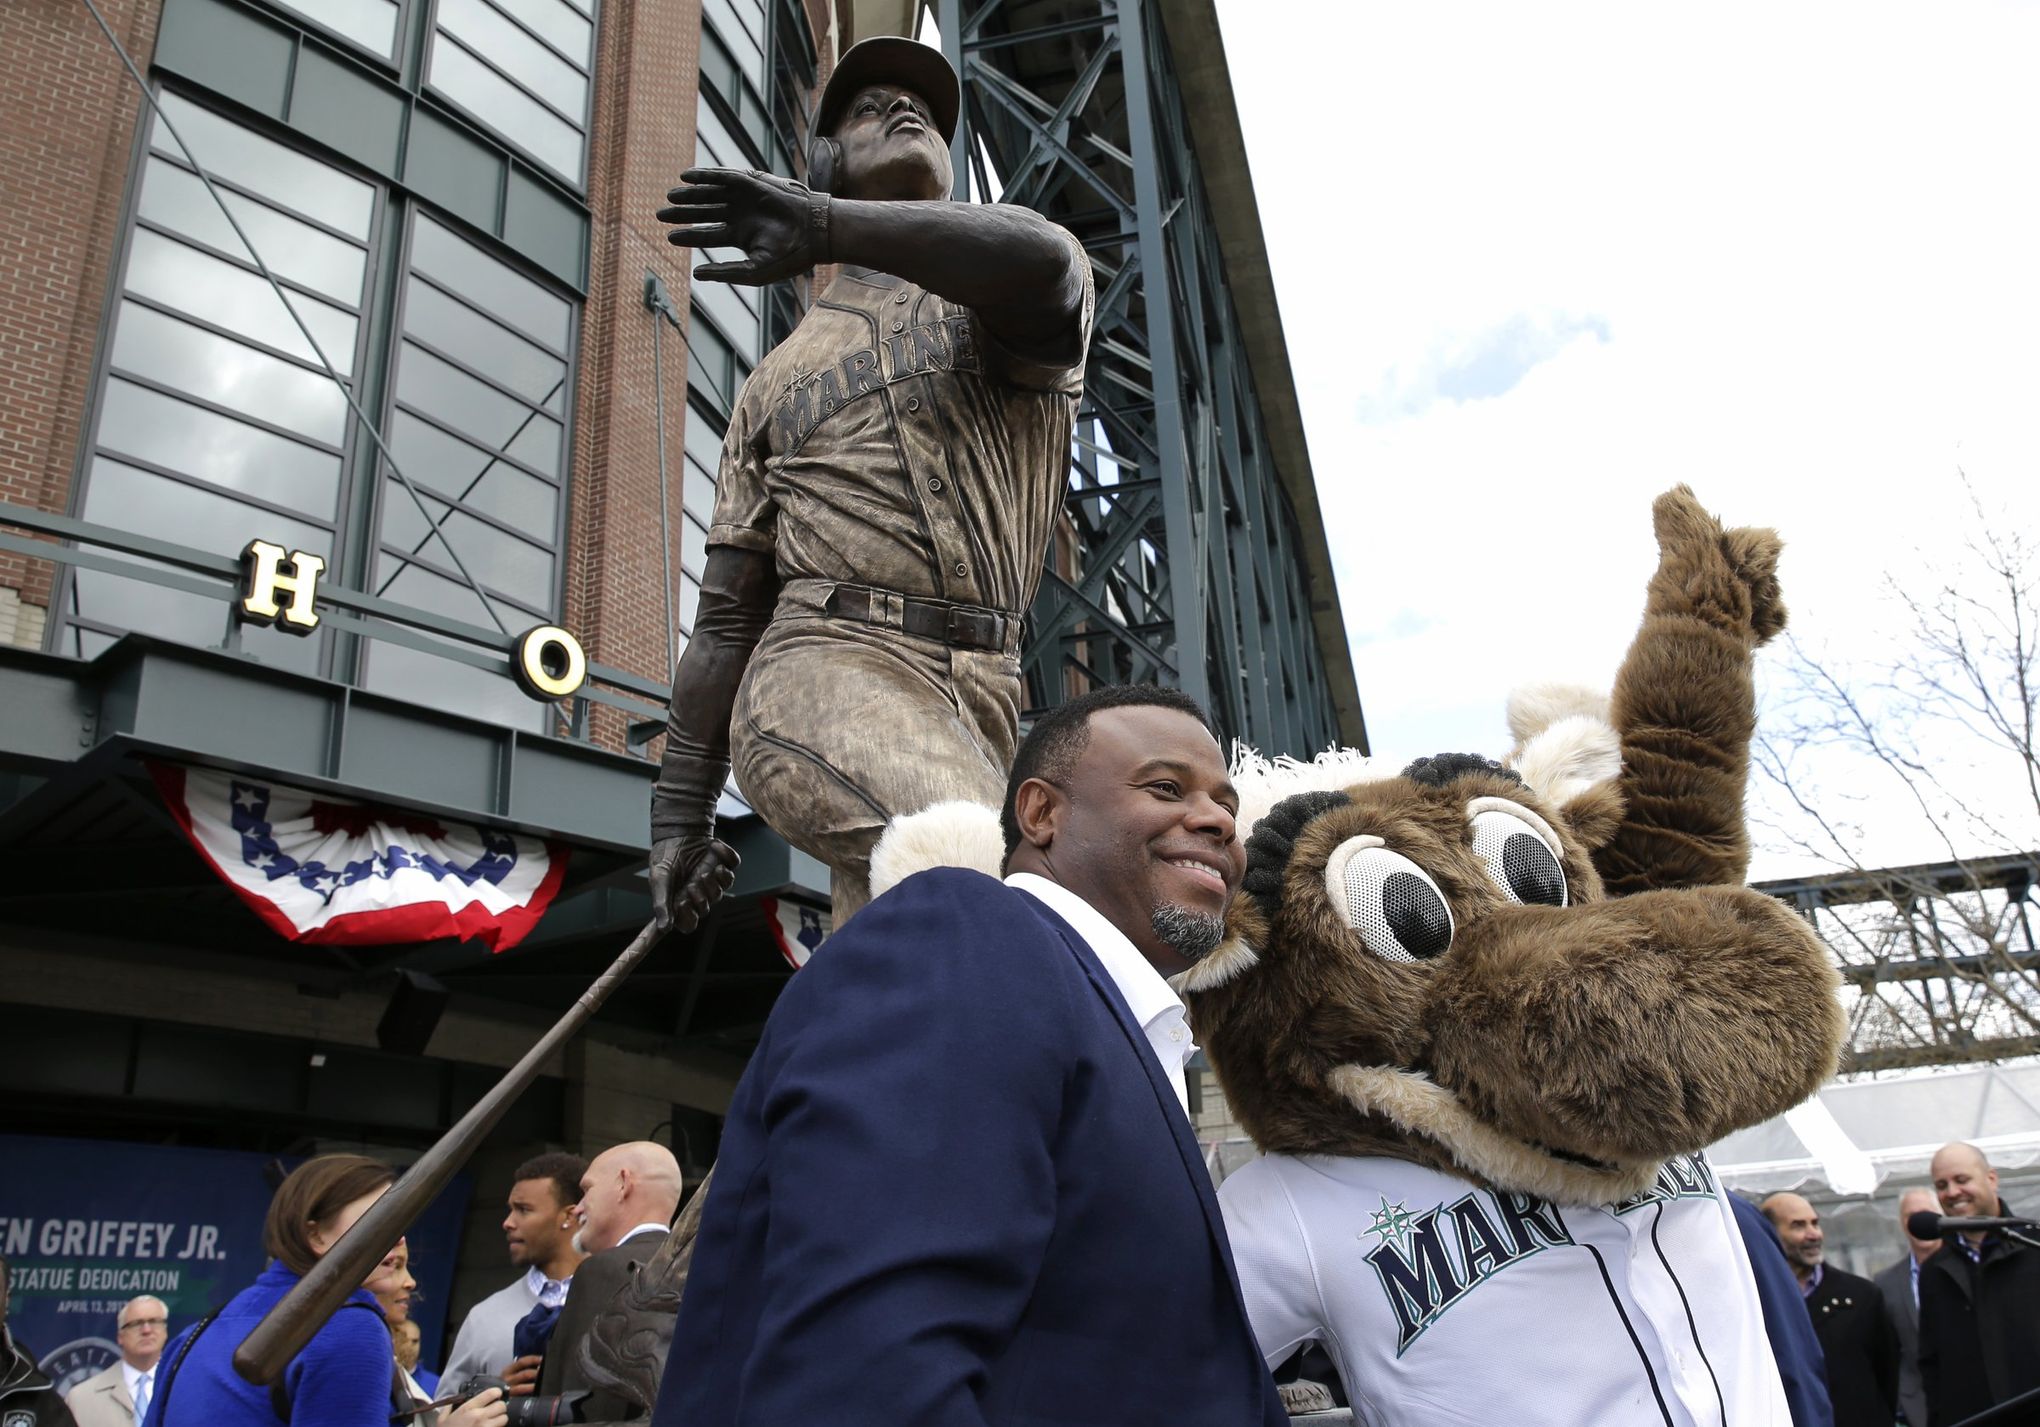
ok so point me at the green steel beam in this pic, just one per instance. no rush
(1206, 570)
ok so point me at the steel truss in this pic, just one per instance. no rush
(1181, 560)
(1938, 962)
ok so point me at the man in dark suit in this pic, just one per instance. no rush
(628, 1196)
(957, 1184)
(1856, 1337)
(1900, 1285)
(1979, 1298)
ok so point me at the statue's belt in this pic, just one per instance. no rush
(960, 626)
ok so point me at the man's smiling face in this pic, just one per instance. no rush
(1964, 1183)
(1145, 832)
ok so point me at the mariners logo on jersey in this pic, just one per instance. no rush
(1686, 1177)
(1430, 1260)
(945, 345)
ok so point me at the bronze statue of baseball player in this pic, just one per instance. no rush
(892, 474)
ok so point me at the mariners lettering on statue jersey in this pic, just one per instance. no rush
(894, 441)
(1441, 1302)
(947, 345)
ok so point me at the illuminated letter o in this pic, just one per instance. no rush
(548, 643)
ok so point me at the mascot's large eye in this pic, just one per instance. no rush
(1388, 899)
(1520, 851)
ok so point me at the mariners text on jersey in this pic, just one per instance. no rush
(945, 345)
(1445, 1302)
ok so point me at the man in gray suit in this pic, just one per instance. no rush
(1901, 1287)
(119, 1396)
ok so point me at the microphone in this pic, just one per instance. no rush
(1926, 1224)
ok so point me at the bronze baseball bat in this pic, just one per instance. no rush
(284, 1331)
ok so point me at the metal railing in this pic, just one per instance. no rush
(356, 612)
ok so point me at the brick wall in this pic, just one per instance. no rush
(64, 157)
(642, 138)
(641, 142)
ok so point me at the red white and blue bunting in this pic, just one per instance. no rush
(325, 869)
(797, 929)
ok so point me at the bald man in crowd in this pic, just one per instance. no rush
(1979, 1298)
(628, 1198)
(1900, 1285)
(1856, 1337)
(120, 1396)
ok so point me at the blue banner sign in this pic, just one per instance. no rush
(85, 1225)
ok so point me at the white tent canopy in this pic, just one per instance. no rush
(1853, 1136)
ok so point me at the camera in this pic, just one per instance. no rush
(531, 1411)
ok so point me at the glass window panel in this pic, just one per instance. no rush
(133, 499)
(204, 286)
(714, 145)
(138, 422)
(292, 179)
(189, 619)
(711, 361)
(538, 444)
(560, 24)
(461, 267)
(432, 458)
(718, 67)
(121, 495)
(586, 7)
(293, 250)
(704, 442)
(180, 356)
(742, 36)
(697, 496)
(518, 55)
(349, 110)
(501, 561)
(690, 600)
(420, 588)
(502, 106)
(544, 227)
(372, 24)
(737, 318)
(467, 336)
(427, 383)
(693, 545)
(437, 683)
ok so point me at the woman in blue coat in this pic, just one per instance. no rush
(343, 1376)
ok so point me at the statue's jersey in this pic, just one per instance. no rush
(1443, 1303)
(891, 441)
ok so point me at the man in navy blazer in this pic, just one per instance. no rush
(957, 1184)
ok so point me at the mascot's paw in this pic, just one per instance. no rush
(943, 835)
(1729, 578)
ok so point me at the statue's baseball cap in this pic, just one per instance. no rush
(889, 59)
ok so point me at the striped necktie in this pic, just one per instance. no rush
(144, 1385)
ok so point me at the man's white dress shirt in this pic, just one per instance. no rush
(1156, 1009)
(132, 1376)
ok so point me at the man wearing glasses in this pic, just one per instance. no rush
(119, 1397)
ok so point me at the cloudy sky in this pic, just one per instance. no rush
(1538, 263)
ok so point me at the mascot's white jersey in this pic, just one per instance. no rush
(1442, 1303)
